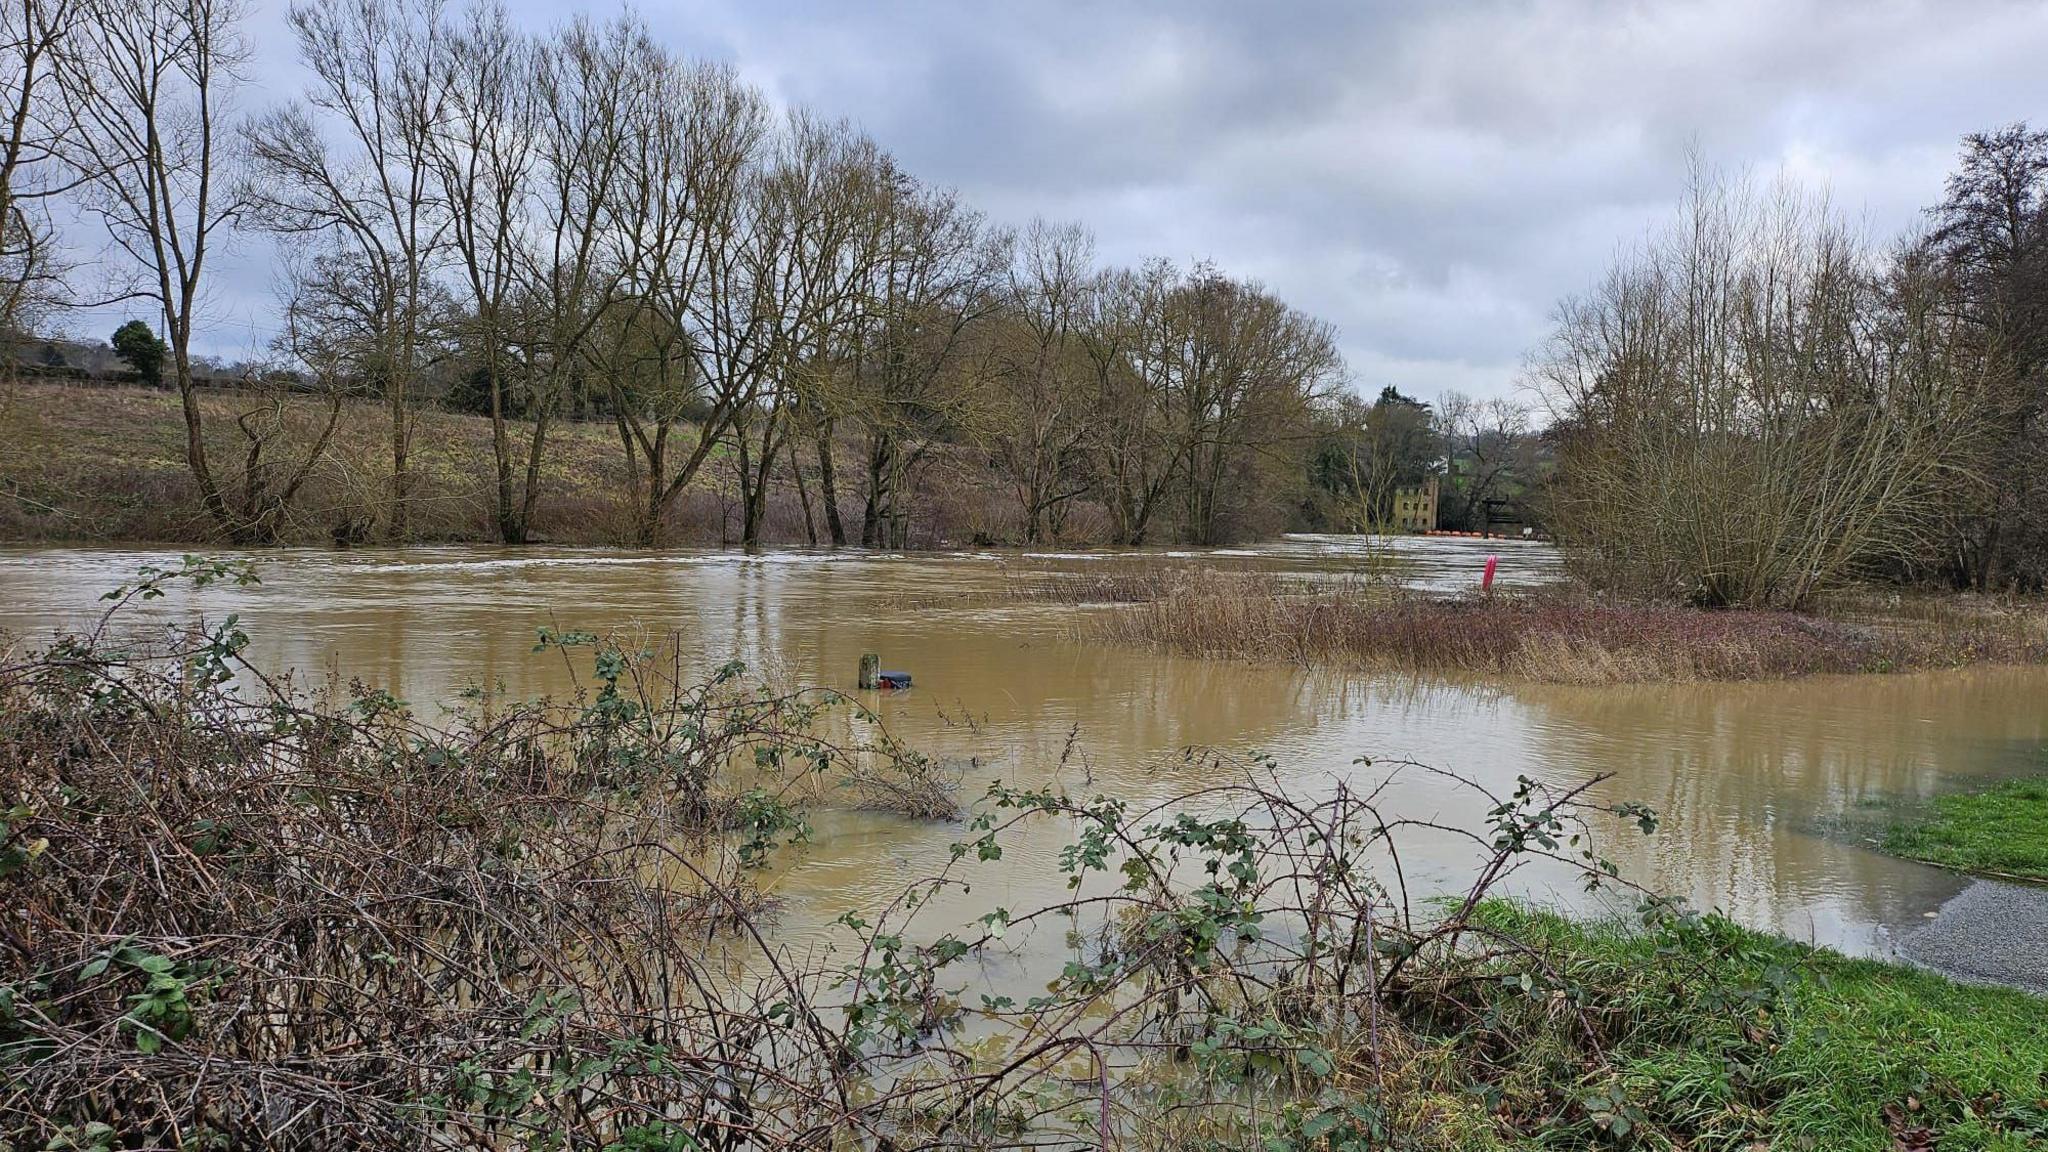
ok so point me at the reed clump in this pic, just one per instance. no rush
(1549, 637)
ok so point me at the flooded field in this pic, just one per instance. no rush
(1754, 781)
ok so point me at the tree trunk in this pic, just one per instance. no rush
(754, 487)
(803, 494)
(511, 524)
(210, 497)
(871, 516)
(401, 438)
(828, 488)
(529, 498)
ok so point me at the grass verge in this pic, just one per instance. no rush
(1720, 1037)
(2002, 832)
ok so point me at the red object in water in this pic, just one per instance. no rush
(1486, 581)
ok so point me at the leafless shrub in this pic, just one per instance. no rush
(1756, 408)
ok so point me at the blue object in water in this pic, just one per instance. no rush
(893, 679)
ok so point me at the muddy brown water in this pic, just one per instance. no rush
(1762, 787)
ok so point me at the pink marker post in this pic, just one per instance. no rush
(1486, 581)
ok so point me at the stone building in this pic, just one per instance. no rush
(1415, 507)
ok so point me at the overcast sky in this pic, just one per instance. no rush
(1429, 177)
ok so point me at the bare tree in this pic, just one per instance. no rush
(1241, 369)
(1041, 394)
(483, 157)
(35, 35)
(681, 221)
(1749, 412)
(148, 87)
(377, 82)
(1132, 455)
(814, 244)
(935, 282)
(1488, 454)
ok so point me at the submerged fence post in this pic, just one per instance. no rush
(870, 671)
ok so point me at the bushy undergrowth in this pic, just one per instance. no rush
(1544, 636)
(236, 919)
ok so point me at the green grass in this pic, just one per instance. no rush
(1720, 1037)
(1999, 832)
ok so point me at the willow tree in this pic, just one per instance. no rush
(1756, 406)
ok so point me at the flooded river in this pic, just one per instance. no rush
(1754, 780)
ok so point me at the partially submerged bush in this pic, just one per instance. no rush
(1542, 636)
(241, 919)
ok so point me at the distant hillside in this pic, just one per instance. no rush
(82, 460)
(100, 460)
(95, 362)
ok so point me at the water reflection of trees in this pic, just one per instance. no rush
(1753, 780)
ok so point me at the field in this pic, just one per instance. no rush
(89, 462)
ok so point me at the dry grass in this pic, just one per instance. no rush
(1544, 637)
(108, 463)
(98, 463)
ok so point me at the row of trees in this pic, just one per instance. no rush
(584, 223)
(1761, 403)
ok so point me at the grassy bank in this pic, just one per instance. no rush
(95, 463)
(86, 463)
(1719, 1037)
(2001, 832)
(1552, 637)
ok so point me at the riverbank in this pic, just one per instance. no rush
(97, 463)
(1542, 636)
(105, 464)
(1717, 1036)
(84, 463)
(2000, 832)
